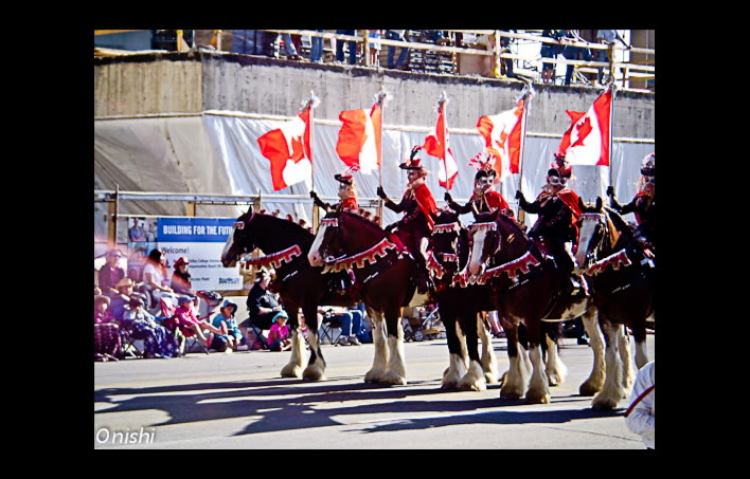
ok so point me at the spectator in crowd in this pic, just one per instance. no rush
(506, 63)
(573, 53)
(352, 47)
(374, 48)
(400, 64)
(225, 321)
(316, 50)
(188, 324)
(550, 50)
(262, 305)
(158, 341)
(181, 279)
(136, 232)
(107, 342)
(290, 46)
(640, 417)
(606, 37)
(278, 335)
(111, 273)
(154, 275)
(351, 324)
(120, 301)
(252, 42)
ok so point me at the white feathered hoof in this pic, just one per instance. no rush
(454, 373)
(393, 378)
(510, 392)
(374, 375)
(590, 388)
(474, 378)
(604, 403)
(291, 370)
(537, 397)
(314, 372)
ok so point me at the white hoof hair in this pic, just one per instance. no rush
(474, 378)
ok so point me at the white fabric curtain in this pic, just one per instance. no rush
(219, 154)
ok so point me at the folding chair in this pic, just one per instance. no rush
(129, 345)
(330, 330)
(258, 332)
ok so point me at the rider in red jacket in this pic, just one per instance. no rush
(485, 198)
(558, 210)
(643, 204)
(347, 193)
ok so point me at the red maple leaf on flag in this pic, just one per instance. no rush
(583, 131)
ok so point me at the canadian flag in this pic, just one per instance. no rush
(288, 150)
(359, 138)
(503, 134)
(437, 144)
(587, 140)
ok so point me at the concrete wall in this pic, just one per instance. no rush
(195, 82)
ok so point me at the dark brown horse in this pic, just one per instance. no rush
(621, 277)
(286, 244)
(447, 256)
(528, 288)
(385, 281)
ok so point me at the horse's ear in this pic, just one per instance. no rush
(599, 203)
(250, 210)
(581, 204)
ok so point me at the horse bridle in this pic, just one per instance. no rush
(602, 232)
(453, 228)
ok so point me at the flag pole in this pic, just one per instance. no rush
(611, 143)
(526, 100)
(310, 104)
(442, 102)
(381, 97)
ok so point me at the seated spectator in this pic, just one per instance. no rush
(262, 304)
(278, 336)
(107, 342)
(351, 324)
(188, 324)
(158, 341)
(225, 320)
(111, 273)
(154, 273)
(181, 279)
(120, 301)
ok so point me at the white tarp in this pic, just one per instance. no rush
(219, 154)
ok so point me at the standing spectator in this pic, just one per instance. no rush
(111, 273)
(573, 53)
(289, 47)
(107, 342)
(374, 48)
(352, 47)
(278, 336)
(550, 50)
(640, 416)
(606, 37)
(316, 50)
(507, 63)
(252, 42)
(400, 64)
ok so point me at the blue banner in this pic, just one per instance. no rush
(194, 230)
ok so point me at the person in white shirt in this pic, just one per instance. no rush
(640, 416)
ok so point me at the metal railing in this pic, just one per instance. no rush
(623, 71)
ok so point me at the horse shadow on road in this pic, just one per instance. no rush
(288, 404)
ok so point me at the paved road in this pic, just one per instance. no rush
(236, 401)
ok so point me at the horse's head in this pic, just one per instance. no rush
(240, 242)
(594, 228)
(448, 243)
(485, 240)
(327, 239)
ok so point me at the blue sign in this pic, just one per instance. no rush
(194, 230)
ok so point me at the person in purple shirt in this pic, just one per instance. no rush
(111, 273)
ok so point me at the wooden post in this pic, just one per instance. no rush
(190, 208)
(114, 210)
(366, 47)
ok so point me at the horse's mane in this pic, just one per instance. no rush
(510, 222)
(286, 227)
(369, 225)
(619, 223)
